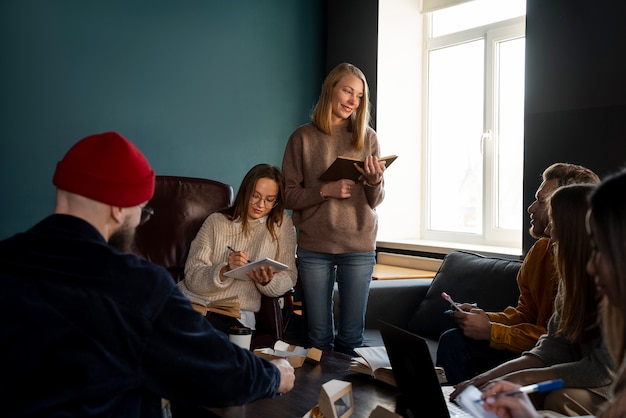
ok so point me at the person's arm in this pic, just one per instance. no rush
(476, 325)
(203, 269)
(283, 281)
(374, 192)
(505, 369)
(518, 328)
(589, 365)
(515, 338)
(188, 360)
(297, 196)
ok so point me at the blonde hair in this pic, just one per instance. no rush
(359, 119)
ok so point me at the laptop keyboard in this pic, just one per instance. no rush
(454, 409)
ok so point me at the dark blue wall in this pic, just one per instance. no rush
(204, 88)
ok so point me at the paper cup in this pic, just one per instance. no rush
(241, 336)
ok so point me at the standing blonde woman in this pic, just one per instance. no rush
(336, 221)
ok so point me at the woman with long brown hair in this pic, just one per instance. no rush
(256, 226)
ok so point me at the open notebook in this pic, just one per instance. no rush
(417, 379)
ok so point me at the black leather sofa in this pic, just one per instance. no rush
(417, 305)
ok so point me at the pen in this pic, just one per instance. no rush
(235, 251)
(546, 386)
(453, 303)
(450, 311)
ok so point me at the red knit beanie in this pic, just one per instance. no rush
(108, 168)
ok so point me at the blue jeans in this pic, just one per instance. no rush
(463, 358)
(353, 273)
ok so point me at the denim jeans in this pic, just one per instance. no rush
(463, 358)
(353, 273)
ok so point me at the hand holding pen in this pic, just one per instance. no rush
(262, 275)
(501, 397)
(236, 258)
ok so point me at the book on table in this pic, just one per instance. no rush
(373, 361)
(343, 168)
(227, 306)
(240, 272)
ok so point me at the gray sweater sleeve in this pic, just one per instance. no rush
(587, 365)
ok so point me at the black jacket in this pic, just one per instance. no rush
(86, 330)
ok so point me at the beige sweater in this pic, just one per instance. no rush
(332, 226)
(209, 253)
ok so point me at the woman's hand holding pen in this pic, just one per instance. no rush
(518, 406)
(237, 259)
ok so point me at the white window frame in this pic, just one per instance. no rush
(400, 128)
(492, 35)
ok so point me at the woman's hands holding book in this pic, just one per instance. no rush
(262, 275)
(372, 170)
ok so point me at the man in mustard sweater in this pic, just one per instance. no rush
(484, 340)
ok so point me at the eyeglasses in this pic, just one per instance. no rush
(146, 213)
(268, 202)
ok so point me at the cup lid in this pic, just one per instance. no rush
(239, 330)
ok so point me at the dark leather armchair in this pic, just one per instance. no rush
(181, 204)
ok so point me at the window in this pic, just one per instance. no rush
(469, 154)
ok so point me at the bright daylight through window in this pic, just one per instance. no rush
(470, 159)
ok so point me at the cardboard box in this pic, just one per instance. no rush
(294, 354)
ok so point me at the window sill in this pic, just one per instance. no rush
(438, 249)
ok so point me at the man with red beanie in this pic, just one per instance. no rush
(88, 329)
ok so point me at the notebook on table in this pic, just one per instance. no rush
(415, 375)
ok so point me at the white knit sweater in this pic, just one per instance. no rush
(209, 253)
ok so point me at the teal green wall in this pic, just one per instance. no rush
(204, 88)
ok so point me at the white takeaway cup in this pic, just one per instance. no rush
(241, 336)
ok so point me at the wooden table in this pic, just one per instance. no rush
(368, 393)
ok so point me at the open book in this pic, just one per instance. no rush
(240, 272)
(228, 306)
(343, 168)
(373, 361)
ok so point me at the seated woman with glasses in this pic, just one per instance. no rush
(256, 226)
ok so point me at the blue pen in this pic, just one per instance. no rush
(546, 386)
(450, 311)
(235, 251)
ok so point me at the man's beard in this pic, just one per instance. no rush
(123, 238)
(534, 234)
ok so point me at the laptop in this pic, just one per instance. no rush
(416, 377)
